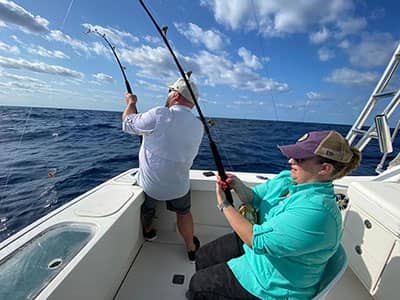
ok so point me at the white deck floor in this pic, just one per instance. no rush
(152, 272)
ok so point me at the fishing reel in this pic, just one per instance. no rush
(249, 213)
(342, 201)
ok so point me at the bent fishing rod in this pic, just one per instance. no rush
(103, 36)
(213, 146)
(122, 68)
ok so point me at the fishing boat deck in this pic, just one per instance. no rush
(152, 272)
(151, 276)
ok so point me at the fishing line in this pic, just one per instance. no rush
(266, 69)
(51, 169)
(4, 219)
(66, 14)
(122, 68)
(51, 172)
(210, 122)
(18, 147)
(218, 134)
(185, 76)
(305, 109)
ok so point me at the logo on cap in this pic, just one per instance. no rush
(330, 153)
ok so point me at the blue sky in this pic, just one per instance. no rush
(311, 61)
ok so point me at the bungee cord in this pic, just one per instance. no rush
(213, 146)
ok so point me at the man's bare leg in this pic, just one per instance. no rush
(185, 227)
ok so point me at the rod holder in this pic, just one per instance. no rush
(383, 132)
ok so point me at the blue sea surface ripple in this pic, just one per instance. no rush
(50, 156)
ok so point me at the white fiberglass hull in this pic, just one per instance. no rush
(111, 260)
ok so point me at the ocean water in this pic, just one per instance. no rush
(50, 156)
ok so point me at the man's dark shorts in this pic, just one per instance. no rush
(179, 205)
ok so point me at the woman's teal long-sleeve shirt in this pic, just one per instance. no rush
(293, 241)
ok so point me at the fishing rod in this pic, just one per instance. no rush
(122, 68)
(103, 36)
(213, 146)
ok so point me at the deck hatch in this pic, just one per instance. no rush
(178, 279)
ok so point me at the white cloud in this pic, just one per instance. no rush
(57, 35)
(373, 50)
(212, 39)
(100, 49)
(9, 49)
(39, 67)
(151, 86)
(16, 39)
(103, 77)
(20, 78)
(19, 89)
(233, 13)
(95, 82)
(152, 39)
(116, 37)
(12, 13)
(315, 96)
(319, 36)
(39, 50)
(325, 54)
(350, 26)
(207, 67)
(208, 101)
(151, 61)
(348, 76)
(249, 59)
(276, 17)
(241, 102)
(20, 85)
(345, 44)
(217, 70)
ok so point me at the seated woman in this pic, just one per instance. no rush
(283, 255)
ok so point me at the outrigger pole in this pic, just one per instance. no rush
(213, 146)
(103, 36)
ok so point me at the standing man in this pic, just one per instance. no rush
(171, 140)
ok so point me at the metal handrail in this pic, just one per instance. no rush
(378, 93)
(373, 99)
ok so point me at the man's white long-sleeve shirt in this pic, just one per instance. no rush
(171, 140)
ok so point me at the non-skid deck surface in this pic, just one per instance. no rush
(153, 270)
(349, 287)
(151, 275)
